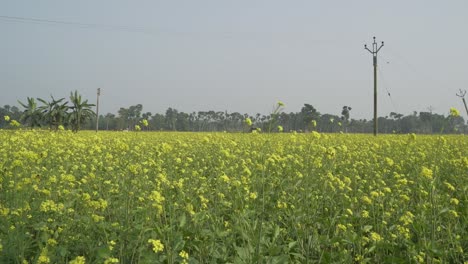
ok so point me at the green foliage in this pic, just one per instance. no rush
(308, 114)
(81, 111)
(54, 113)
(232, 198)
(32, 114)
(57, 114)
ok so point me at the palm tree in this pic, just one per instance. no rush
(345, 116)
(55, 112)
(81, 111)
(32, 113)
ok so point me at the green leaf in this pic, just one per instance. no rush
(280, 259)
(370, 250)
(443, 211)
(243, 253)
(292, 244)
(277, 231)
(103, 252)
(182, 220)
(62, 251)
(367, 228)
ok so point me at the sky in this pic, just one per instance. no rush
(242, 55)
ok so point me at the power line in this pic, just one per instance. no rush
(59, 22)
(151, 30)
(385, 85)
(133, 29)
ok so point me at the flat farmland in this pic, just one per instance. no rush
(168, 197)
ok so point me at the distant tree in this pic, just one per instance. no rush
(157, 121)
(147, 116)
(345, 113)
(328, 123)
(32, 114)
(409, 124)
(134, 114)
(123, 117)
(182, 121)
(81, 111)
(54, 113)
(171, 118)
(345, 116)
(109, 117)
(129, 117)
(395, 115)
(308, 113)
(426, 122)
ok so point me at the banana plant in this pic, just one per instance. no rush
(32, 114)
(55, 112)
(81, 111)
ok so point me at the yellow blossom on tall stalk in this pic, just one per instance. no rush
(366, 199)
(248, 121)
(407, 218)
(375, 237)
(14, 123)
(341, 227)
(365, 214)
(426, 173)
(157, 245)
(453, 213)
(454, 201)
(119, 192)
(454, 112)
(184, 255)
(78, 260)
(111, 260)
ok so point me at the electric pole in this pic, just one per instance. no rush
(462, 96)
(97, 108)
(374, 51)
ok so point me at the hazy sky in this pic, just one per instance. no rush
(237, 55)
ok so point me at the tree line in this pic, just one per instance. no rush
(54, 114)
(79, 115)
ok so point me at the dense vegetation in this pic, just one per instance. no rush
(174, 120)
(55, 114)
(232, 198)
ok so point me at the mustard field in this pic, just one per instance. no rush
(149, 197)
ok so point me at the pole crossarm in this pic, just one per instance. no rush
(462, 96)
(462, 93)
(375, 48)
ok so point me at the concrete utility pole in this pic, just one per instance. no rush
(374, 51)
(97, 108)
(462, 96)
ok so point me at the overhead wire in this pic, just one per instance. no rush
(135, 29)
(385, 85)
(153, 31)
(36, 21)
